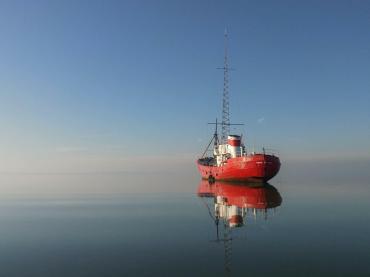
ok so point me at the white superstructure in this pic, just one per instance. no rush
(233, 149)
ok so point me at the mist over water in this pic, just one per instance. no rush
(171, 177)
(157, 223)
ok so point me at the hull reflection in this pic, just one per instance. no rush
(233, 204)
(242, 195)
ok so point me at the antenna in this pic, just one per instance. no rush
(225, 99)
(216, 134)
(222, 124)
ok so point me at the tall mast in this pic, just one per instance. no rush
(225, 99)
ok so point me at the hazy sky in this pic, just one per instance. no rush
(87, 85)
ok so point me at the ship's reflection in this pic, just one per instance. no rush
(234, 204)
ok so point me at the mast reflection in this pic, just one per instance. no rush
(233, 204)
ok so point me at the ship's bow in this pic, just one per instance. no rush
(267, 166)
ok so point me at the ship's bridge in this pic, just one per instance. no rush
(234, 148)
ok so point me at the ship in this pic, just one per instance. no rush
(230, 160)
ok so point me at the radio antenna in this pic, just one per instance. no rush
(225, 130)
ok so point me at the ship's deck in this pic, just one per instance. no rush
(208, 161)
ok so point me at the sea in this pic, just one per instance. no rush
(313, 219)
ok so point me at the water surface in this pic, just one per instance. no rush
(294, 229)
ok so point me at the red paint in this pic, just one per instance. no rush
(242, 195)
(236, 219)
(233, 142)
(258, 167)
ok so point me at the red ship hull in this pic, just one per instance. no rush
(257, 167)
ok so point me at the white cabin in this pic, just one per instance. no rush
(233, 149)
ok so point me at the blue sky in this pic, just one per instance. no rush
(91, 84)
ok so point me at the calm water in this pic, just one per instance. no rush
(307, 228)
